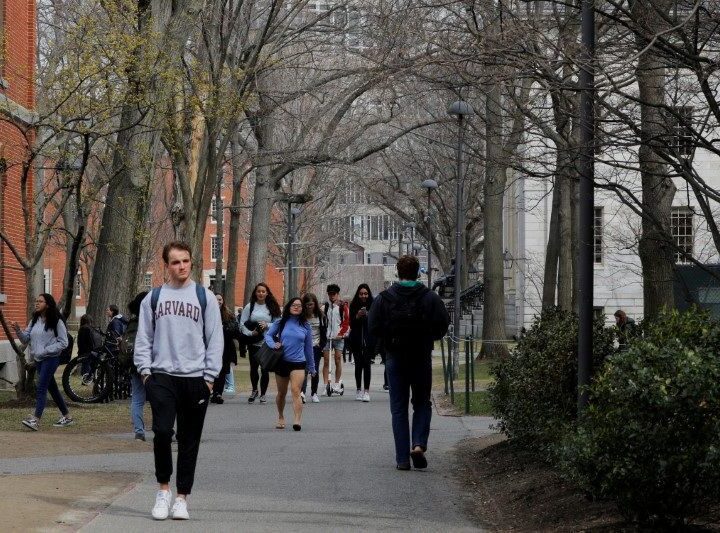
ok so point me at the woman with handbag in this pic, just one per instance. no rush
(293, 335)
(231, 332)
(256, 317)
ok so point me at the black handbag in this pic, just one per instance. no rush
(269, 357)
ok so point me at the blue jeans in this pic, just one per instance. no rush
(138, 402)
(408, 373)
(46, 383)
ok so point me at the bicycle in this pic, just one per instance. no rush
(89, 377)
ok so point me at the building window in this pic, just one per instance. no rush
(147, 281)
(47, 280)
(217, 203)
(598, 248)
(213, 285)
(681, 228)
(216, 244)
(682, 136)
(385, 259)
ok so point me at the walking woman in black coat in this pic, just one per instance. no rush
(363, 345)
(231, 331)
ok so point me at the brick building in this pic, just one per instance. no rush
(17, 104)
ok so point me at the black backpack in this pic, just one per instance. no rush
(67, 352)
(126, 343)
(407, 320)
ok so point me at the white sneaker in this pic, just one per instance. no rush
(358, 396)
(162, 505)
(302, 396)
(339, 388)
(179, 510)
(315, 398)
(366, 396)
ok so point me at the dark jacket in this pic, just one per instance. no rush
(360, 337)
(231, 330)
(86, 340)
(433, 327)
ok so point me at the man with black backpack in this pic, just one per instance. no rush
(408, 318)
(178, 354)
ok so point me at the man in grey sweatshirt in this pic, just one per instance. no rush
(178, 354)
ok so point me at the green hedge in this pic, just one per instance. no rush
(651, 436)
(534, 395)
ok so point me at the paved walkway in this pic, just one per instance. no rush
(338, 473)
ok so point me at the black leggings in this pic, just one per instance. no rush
(256, 372)
(315, 380)
(362, 355)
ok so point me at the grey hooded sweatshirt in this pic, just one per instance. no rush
(174, 343)
(44, 343)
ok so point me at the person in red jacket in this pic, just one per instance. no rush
(338, 320)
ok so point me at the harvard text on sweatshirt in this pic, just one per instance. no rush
(174, 343)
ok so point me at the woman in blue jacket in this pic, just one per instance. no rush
(47, 337)
(293, 334)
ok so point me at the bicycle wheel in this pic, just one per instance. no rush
(87, 379)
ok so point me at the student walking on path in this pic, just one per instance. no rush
(361, 342)
(127, 344)
(408, 317)
(178, 353)
(255, 319)
(318, 324)
(231, 333)
(338, 318)
(47, 336)
(293, 334)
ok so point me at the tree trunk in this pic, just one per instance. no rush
(494, 193)
(552, 251)
(565, 226)
(119, 248)
(259, 230)
(658, 190)
(234, 229)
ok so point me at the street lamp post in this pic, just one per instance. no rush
(460, 110)
(293, 212)
(430, 185)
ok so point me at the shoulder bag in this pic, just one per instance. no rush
(269, 357)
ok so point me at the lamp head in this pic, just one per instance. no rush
(430, 185)
(460, 109)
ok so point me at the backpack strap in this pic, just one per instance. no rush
(201, 296)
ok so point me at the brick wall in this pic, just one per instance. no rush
(18, 102)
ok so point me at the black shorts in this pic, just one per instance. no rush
(283, 368)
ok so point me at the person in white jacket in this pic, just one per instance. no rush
(178, 354)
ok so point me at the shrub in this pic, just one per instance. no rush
(651, 436)
(534, 395)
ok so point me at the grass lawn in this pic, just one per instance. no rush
(479, 404)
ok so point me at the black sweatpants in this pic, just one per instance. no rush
(184, 398)
(362, 366)
(257, 372)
